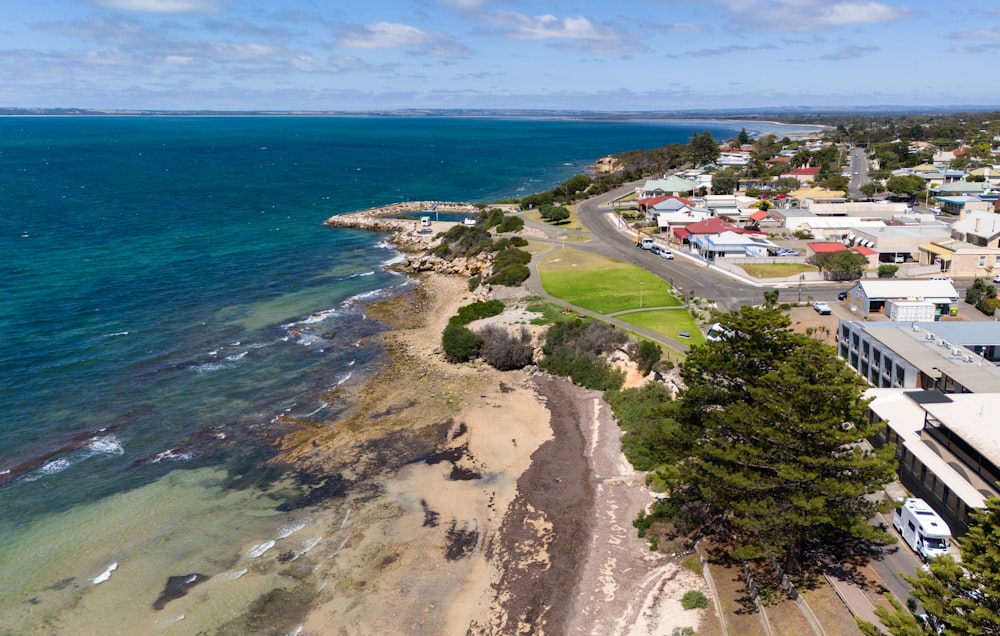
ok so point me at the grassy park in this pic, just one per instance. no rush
(669, 322)
(601, 284)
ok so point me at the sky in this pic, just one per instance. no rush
(601, 55)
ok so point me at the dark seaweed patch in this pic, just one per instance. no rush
(176, 587)
(460, 542)
(430, 517)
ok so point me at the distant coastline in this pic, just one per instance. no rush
(771, 115)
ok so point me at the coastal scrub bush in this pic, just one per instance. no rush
(475, 311)
(649, 431)
(504, 350)
(511, 224)
(694, 600)
(490, 218)
(573, 348)
(647, 354)
(460, 343)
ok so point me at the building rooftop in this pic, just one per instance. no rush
(973, 416)
(934, 290)
(906, 417)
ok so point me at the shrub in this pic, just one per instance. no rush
(477, 310)
(989, 305)
(490, 218)
(573, 348)
(887, 270)
(460, 343)
(694, 600)
(511, 224)
(647, 354)
(509, 276)
(506, 351)
(474, 282)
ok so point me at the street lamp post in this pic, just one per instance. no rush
(640, 294)
(802, 277)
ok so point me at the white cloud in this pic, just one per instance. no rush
(812, 15)
(521, 27)
(164, 6)
(393, 35)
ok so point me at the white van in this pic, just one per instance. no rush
(921, 528)
(716, 333)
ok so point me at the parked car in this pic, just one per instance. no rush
(822, 307)
(842, 295)
(667, 254)
(996, 279)
(786, 251)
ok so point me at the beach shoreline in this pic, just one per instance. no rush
(477, 501)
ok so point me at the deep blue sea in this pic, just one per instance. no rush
(168, 291)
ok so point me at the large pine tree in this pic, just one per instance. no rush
(778, 430)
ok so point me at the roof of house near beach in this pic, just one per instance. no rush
(962, 187)
(817, 193)
(825, 247)
(984, 225)
(671, 184)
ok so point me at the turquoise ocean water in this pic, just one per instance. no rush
(167, 292)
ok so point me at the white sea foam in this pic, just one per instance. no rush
(232, 575)
(117, 333)
(237, 356)
(171, 620)
(295, 632)
(351, 363)
(105, 575)
(398, 258)
(309, 544)
(345, 378)
(170, 455)
(50, 468)
(292, 527)
(260, 549)
(108, 445)
(314, 317)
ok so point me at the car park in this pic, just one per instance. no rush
(822, 307)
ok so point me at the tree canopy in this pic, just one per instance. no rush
(703, 148)
(776, 431)
(961, 599)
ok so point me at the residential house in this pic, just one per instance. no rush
(961, 259)
(671, 184)
(804, 174)
(978, 228)
(729, 244)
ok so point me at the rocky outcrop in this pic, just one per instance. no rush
(479, 265)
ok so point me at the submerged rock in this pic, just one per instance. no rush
(176, 587)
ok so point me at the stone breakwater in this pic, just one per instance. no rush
(417, 246)
(382, 219)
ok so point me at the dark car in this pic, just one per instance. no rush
(842, 295)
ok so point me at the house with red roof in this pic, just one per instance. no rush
(712, 225)
(804, 174)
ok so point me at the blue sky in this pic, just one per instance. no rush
(524, 54)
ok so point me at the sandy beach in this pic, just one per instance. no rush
(472, 501)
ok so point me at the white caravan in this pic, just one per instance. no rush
(921, 528)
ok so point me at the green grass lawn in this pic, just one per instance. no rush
(601, 284)
(669, 322)
(777, 270)
(572, 223)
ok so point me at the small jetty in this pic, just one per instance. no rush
(385, 218)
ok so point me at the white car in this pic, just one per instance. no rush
(665, 253)
(822, 307)
(996, 279)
